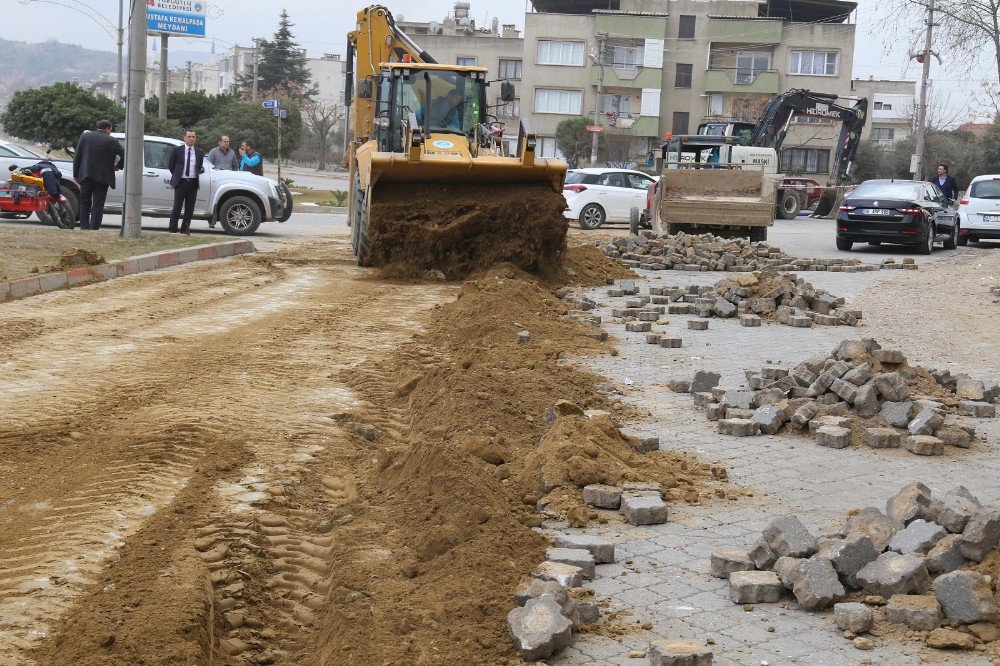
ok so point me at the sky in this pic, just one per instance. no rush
(321, 27)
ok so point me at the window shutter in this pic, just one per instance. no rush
(652, 53)
(650, 102)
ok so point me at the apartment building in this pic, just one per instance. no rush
(891, 107)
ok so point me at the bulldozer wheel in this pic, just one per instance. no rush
(360, 241)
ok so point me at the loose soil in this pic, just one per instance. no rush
(23, 248)
(465, 229)
(279, 459)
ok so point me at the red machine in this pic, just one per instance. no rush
(25, 193)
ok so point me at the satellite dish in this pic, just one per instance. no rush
(434, 28)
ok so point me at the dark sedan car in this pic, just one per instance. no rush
(905, 212)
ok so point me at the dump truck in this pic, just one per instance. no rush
(722, 150)
(435, 185)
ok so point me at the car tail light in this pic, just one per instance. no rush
(963, 202)
(909, 232)
(844, 208)
(841, 228)
(575, 188)
(910, 211)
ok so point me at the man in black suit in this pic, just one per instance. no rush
(947, 183)
(98, 155)
(185, 163)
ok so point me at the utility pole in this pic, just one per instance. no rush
(597, 105)
(918, 157)
(190, 77)
(134, 121)
(256, 62)
(164, 82)
(121, 40)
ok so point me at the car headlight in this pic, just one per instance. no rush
(274, 189)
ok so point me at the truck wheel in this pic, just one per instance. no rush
(789, 206)
(844, 245)
(240, 216)
(633, 221)
(591, 217)
(758, 234)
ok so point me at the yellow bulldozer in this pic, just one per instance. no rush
(434, 183)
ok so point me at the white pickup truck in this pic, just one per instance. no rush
(237, 200)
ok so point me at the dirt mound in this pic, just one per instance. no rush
(461, 229)
(74, 257)
(458, 474)
(586, 265)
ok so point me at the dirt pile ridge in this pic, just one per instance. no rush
(455, 491)
(75, 257)
(463, 229)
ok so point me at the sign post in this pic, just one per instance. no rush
(280, 114)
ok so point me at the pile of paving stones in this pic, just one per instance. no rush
(707, 252)
(552, 604)
(859, 391)
(769, 294)
(912, 565)
(639, 503)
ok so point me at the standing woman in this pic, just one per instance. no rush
(251, 160)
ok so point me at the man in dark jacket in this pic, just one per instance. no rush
(947, 183)
(98, 155)
(185, 163)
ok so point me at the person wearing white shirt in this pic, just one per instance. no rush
(185, 164)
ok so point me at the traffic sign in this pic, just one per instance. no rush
(277, 112)
(270, 104)
(284, 114)
(595, 128)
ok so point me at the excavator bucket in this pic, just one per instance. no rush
(441, 210)
(829, 202)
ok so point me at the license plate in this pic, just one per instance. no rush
(991, 218)
(877, 211)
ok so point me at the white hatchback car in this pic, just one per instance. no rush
(979, 210)
(595, 196)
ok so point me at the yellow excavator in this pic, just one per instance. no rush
(435, 186)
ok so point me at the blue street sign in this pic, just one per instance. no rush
(277, 112)
(270, 104)
(176, 17)
(284, 113)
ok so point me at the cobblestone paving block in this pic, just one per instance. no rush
(891, 356)
(602, 496)
(924, 445)
(926, 422)
(910, 503)
(754, 587)
(715, 411)
(844, 389)
(576, 557)
(787, 536)
(770, 418)
(817, 585)
(833, 437)
(949, 639)
(898, 414)
(970, 389)
(882, 438)
(892, 386)
(804, 414)
(788, 570)
(966, 597)
(532, 588)
(639, 327)
(979, 410)
(727, 559)
(670, 343)
(738, 427)
(854, 617)
(981, 534)
(678, 653)
(919, 612)
(917, 537)
(849, 555)
(955, 513)
(800, 321)
(833, 421)
(704, 380)
(750, 320)
(698, 324)
(893, 573)
(739, 398)
(954, 435)
(876, 525)
(762, 556)
(966, 494)
(859, 375)
(737, 413)
(866, 401)
(644, 510)
(803, 376)
(602, 550)
(565, 574)
(589, 612)
(946, 555)
(539, 629)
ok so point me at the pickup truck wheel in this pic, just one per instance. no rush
(591, 217)
(240, 216)
(286, 198)
(789, 206)
(758, 234)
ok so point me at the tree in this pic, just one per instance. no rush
(990, 146)
(57, 115)
(282, 66)
(573, 139)
(247, 120)
(190, 108)
(156, 126)
(322, 118)
(871, 161)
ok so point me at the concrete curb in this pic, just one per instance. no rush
(299, 208)
(45, 282)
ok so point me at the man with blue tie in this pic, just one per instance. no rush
(185, 163)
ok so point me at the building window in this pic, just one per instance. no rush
(551, 52)
(552, 100)
(620, 104)
(686, 28)
(814, 63)
(883, 134)
(626, 56)
(509, 69)
(680, 123)
(547, 147)
(682, 79)
(509, 109)
(805, 160)
(466, 61)
(749, 64)
(882, 106)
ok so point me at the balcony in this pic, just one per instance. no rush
(640, 125)
(647, 26)
(741, 81)
(744, 31)
(627, 76)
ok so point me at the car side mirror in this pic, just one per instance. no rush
(11, 167)
(507, 92)
(365, 89)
